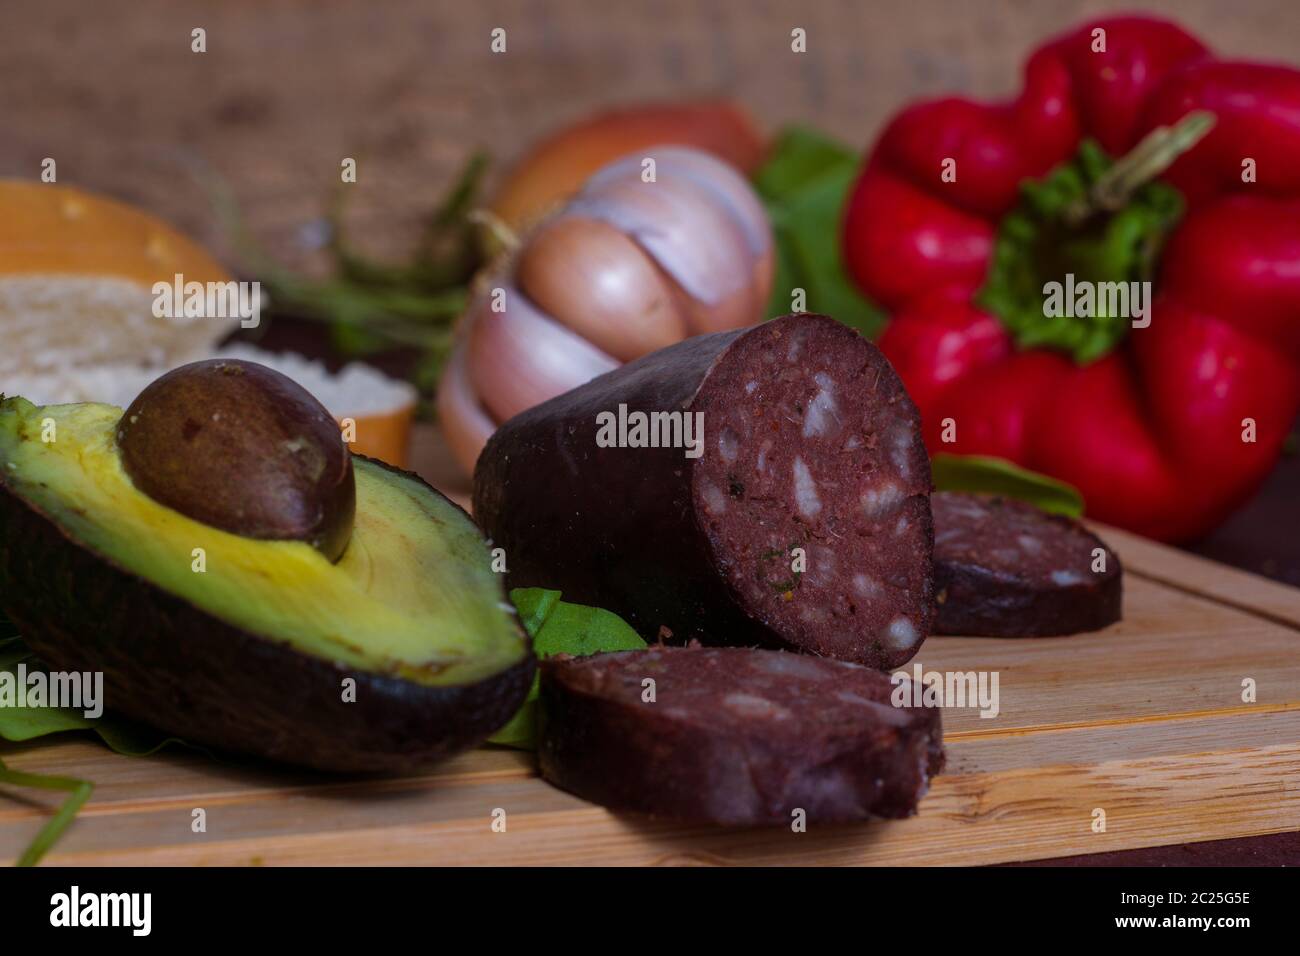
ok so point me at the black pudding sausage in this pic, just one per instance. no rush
(801, 520)
(1003, 568)
(736, 736)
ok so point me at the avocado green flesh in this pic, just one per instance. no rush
(413, 596)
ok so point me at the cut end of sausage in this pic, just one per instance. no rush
(735, 736)
(813, 490)
(1003, 568)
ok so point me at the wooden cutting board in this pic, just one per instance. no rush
(1144, 722)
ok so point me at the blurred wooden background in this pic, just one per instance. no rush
(111, 90)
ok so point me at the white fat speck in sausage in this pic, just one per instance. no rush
(790, 665)
(805, 490)
(900, 634)
(823, 415)
(882, 499)
(754, 707)
(794, 347)
(1067, 578)
(813, 615)
(901, 453)
(865, 585)
(728, 444)
(714, 500)
(821, 567)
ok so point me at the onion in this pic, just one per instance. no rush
(626, 267)
(558, 166)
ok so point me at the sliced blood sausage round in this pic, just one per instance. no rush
(801, 520)
(735, 735)
(1003, 568)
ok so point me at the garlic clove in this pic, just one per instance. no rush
(518, 357)
(466, 427)
(738, 309)
(720, 179)
(593, 279)
(688, 232)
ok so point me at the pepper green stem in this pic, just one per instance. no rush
(1088, 222)
(1156, 152)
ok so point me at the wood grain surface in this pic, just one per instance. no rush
(1144, 721)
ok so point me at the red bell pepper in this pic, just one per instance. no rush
(1152, 424)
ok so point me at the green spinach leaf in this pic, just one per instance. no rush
(804, 184)
(21, 723)
(558, 627)
(1001, 477)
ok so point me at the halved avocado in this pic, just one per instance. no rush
(253, 652)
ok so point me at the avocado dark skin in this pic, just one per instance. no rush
(169, 664)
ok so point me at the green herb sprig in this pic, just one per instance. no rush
(370, 306)
(18, 724)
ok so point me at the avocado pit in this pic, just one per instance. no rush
(243, 448)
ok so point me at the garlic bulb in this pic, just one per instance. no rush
(655, 247)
